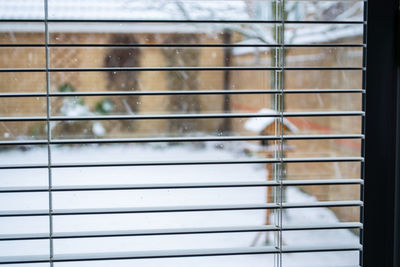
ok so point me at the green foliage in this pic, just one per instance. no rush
(66, 88)
(75, 106)
(105, 106)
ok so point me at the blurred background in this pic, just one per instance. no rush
(172, 69)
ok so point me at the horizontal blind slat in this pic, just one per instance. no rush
(184, 45)
(103, 69)
(172, 163)
(183, 92)
(94, 211)
(50, 20)
(175, 253)
(24, 189)
(177, 139)
(180, 231)
(187, 116)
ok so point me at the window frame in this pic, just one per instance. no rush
(382, 143)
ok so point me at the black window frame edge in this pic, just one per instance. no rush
(396, 259)
(381, 210)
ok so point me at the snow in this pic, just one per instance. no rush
(72, 108)
(149, 198)
(107, 106)
(119, 10)
(123, 9)
(257, 125)
(178, 10)
(98, 129)
(310, 34)
(323, 33)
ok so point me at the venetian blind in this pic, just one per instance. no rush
(173, 132)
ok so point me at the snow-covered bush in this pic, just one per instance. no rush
(75, 107)
(105, 106)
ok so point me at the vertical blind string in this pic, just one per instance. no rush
(48, 110)
(281, 109)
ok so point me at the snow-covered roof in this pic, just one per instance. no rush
(257, 125)
(119, 10)
(323, 33)
(123, 9)
(183, 10)
(312, 33)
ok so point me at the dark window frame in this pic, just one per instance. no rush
(382, 132)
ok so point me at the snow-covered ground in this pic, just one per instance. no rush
(161, 197)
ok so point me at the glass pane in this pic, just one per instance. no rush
(161, 33)
(88, 129)
(332, 79)
(22, 82)
(340, 10)
(153, 221)
(322, 259)
(20, 225)
(159, 174)
(148, 105)
(150, 57)
(24, 248)
(323, 102)
(236, 261)
(199, 137)
(157, 152)
(145, 198)
(323, 170)
(160, 10)
(21, 155)
(158, 81)
(158, 243)
(320, 216)
(323, 57)
(27, 177)
(335, 237)
(322, 193)
(21, 32)
(22, 106)
(323, 148)
(22, 57)
(29, 201)
(23, 130)
(324, 33)
(326, 125)
(15, 9)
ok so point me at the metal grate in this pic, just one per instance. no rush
(279, 138)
